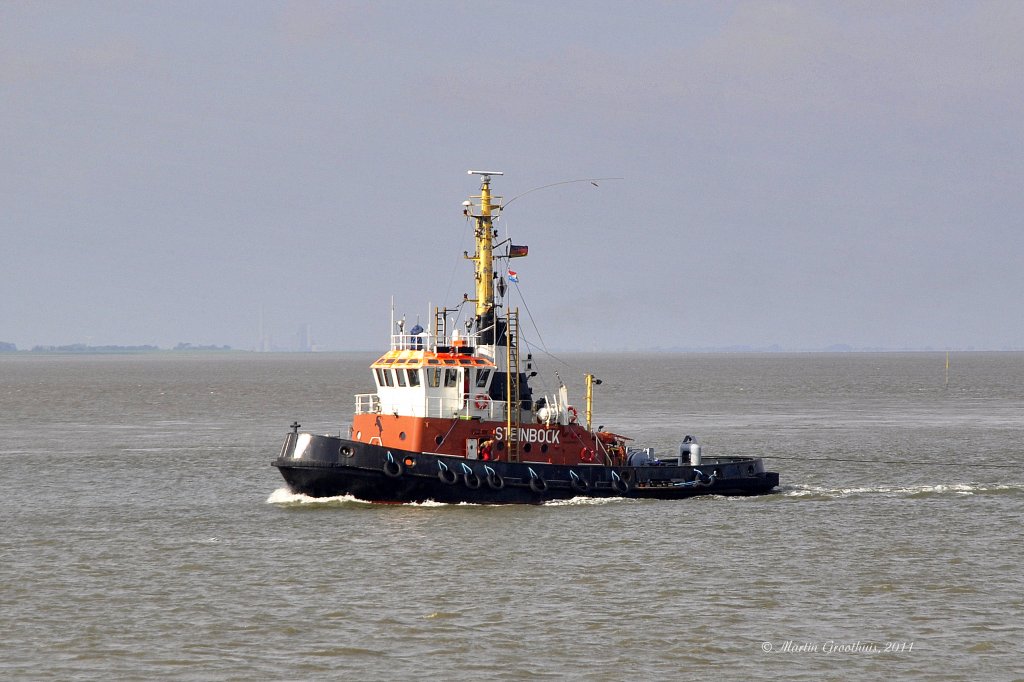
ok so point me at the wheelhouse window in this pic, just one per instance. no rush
(414, 377)
(387, 379)
(434, 377)
(400, 376)
(451, 377)
(380, 376)
(481, 377)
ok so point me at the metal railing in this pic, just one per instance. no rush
(466, 406)
(424, 341)
(367, 403)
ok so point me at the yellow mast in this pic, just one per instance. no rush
(485, 251)
(484, 255)
(591, 380)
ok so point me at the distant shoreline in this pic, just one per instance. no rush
(83, 349)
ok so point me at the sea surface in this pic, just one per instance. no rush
(146, 536)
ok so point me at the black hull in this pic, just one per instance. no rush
(327, 466)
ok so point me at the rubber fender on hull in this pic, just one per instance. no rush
(445, 474)
(392, 467)
(580, 485)
(469, 477)
(537, 484)
(494, 479)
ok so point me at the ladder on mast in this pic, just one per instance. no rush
(440, 327)
(513, 411)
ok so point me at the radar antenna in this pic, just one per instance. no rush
(484, 175)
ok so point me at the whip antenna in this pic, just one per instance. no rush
(592, 181)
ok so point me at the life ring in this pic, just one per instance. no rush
(587, 455)
(392, 467)
(445, 474)
(481, 401)
(574, 415)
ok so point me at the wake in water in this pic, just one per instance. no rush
(912, 491)
(286, 498)
(588, 501)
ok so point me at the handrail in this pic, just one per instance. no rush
(422, 341)
(437, 407)
(367, 403)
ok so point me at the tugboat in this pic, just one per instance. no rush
(453, 418)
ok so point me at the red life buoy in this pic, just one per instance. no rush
(586, 455)
(481, 401)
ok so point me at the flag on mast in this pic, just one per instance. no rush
(513, 276)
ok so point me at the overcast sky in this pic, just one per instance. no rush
(799, 174)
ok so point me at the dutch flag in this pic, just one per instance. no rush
(513, 276)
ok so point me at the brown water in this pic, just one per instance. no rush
(145, 534)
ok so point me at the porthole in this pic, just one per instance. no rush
(359, 435)
(401, 436)
(346, 451)
(438, 440)
(527, 447)
(544, 448)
